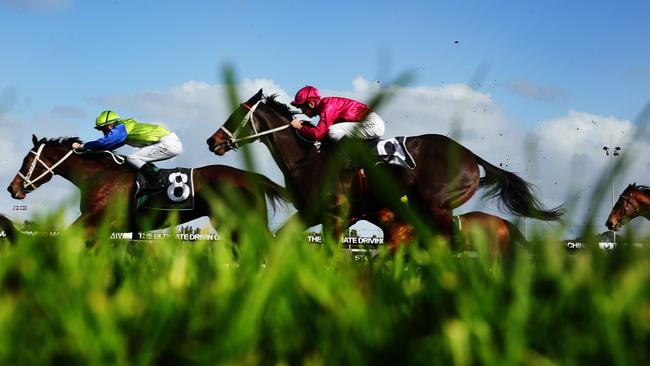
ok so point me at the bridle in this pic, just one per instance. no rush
(628, 201)
(27, 178)
(233, 137)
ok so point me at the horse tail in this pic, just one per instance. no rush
(515, 193)
(9, 229)
(274, 192)
(516, 236)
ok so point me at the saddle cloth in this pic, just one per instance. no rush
(178, 193)
(393, 151)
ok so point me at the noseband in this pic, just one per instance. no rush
(27, 178)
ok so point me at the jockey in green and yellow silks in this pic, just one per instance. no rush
(155, 142)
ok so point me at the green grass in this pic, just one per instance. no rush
(285, 302)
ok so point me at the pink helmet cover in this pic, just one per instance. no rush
(305, 94)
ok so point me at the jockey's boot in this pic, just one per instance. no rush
(350, 163)
(152, 183)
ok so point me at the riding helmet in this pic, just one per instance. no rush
(305, 94)
(106, 118)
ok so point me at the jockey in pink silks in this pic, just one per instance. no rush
(339, 117)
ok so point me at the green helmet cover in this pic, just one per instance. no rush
(106, 118)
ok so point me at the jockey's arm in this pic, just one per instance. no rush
(112, 140)
(317, 132)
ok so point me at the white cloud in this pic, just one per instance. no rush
(573, 156)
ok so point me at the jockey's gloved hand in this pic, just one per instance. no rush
(77, 146)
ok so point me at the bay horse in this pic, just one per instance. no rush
(470, 230)
(103, 180)
(632, 203)
(499, 234)
(446, 174)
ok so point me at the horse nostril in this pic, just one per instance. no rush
(210, 141)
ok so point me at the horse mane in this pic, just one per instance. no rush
(62, 141)
(67, 142)
(280, 107)
(643, 189)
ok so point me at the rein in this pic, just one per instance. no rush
(233, 138)
(27, 181)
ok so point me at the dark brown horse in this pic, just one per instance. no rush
(446, 176)
(103, 180)
(632, 203)
(8, 230)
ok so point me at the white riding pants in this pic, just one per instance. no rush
(168, 147)
(370, 128)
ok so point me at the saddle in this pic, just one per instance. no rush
(177, 193)
(393, 151)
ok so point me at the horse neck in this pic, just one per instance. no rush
(290, 156)
(77, 170)
(643, 201)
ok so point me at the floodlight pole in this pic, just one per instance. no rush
(19, 208)
(612, 152)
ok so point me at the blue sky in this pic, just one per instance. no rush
(590, 56)
(66, 60)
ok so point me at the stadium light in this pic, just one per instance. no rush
(612, 152)
(19, 208)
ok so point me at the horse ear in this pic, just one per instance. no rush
(255, 98)
(34, 139)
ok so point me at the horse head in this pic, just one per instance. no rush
(239, 124)
(260, 116)
(626, 208)
(39, 165)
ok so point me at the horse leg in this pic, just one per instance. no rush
(336, 221)
(396, 231)
(87, 222)
(334, 228)
(493, 231)
(443, 222)
(399, 233)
